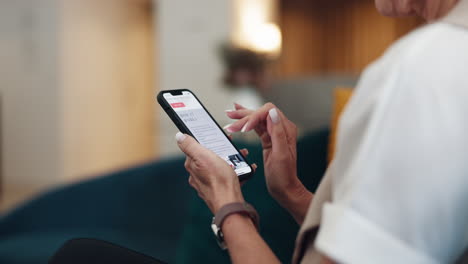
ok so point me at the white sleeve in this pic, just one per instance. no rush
(400, 186)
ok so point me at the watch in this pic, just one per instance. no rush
(228, 209)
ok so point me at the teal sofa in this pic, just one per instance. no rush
(150, 209)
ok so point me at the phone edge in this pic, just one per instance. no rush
(171, 113)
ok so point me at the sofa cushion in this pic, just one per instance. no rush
(142, 208)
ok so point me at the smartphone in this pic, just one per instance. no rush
(192, 118)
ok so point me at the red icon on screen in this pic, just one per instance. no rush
(177, 105)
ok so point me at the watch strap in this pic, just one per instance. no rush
(225, 211)
(234, 208)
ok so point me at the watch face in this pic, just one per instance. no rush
(215, 229)
(219, 236)
(233, 208)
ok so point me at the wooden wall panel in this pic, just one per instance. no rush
(107, 85)
(302, 23)
(335, 36)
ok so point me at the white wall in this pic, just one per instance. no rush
(76, 78)
(32, 155)
(190, 33)
(106, 75)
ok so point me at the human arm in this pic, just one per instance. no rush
(218, 185)
(278, 138)
(400, 174)
(244, 243)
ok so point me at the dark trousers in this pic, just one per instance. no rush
(93, 251)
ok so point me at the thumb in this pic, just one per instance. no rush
(277, 132)
(188, 145)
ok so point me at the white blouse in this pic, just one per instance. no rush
(400, 177)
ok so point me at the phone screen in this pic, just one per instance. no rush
(205, 130)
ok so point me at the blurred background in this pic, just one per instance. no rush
(78, 78)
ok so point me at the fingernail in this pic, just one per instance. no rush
(227, 128)
(229, 111)
(274, 115)
(237, 105)
(180, 137)
(244, 128)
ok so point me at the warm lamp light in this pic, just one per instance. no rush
(254, 26)
(265, 38)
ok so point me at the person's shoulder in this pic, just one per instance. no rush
(431, 45)
(433, 31)
(429, 58)
(434, 49)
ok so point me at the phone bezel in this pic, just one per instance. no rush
(184, 129)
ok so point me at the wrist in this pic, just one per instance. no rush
(299, 195)
(223, 200)
(294, 195)
(233, 219)
(297, 203)
(233, 214)
(222, 194)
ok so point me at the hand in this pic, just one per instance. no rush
(214, 180)
(278, 136)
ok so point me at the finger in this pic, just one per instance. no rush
(244, 152)
(236, 126)
(251, 121)
(277, 131)
(188, 164)
(238, 106)
(291, 130)
(254, 167)
(229, 136)
(238, 114)
(257, 117)
(192, 182)
(289, 127)
(189, 146)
